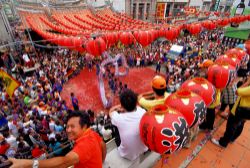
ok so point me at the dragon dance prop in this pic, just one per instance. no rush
(107, 100)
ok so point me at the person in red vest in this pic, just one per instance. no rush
(89, 149)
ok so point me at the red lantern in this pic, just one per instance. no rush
(145, 38)
(96, 46)
(194, 28)
(176, 32)
(126, 38)
(247, 45)
(217, 14)
(207, 13)
(220, 75)
(78, 44)
(226, 13)
(163, 129)
(189, 104)
(202, 87)
(222, 22)
(232, 60)
(239, 53)
(161, 33)
(170, 34)
(67, 42)
(225, 22)
(110, 39)
(209, 25)
(136, 34)
(155, 34)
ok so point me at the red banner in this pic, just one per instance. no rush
(190, 10)
(160, 10)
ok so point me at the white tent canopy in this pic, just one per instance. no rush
(175, 51)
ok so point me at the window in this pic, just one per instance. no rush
(141, 11)
(134, 11)
(147, 11)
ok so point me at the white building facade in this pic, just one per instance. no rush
(138, 9)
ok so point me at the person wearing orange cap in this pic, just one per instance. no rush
(208, 123)
(158, 96)
(204, 67)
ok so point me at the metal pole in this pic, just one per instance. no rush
(131, 8)
(6, 23)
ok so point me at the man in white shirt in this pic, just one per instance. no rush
(10, 139)
(52, 125)
(126, 117)
(26, 58)
(12, 127)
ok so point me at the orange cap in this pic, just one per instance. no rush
(159, 82)
(207, 63)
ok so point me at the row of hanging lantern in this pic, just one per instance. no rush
(143, 37)
(164, 128)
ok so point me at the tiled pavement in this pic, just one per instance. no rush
(236, 155)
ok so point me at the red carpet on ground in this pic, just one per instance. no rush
(86, 89)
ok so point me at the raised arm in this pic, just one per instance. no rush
(147, 95)
(116, 108)
(63, 162)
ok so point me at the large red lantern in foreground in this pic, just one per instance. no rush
(189, 104)
(96, 46)
(220, 75)
(202, 87)
(163, 129)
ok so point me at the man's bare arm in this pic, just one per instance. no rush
(63, 162)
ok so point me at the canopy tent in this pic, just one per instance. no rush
(175, 51)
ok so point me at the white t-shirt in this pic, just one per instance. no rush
(12, 141)
(106, 133)
(52, 126)
(52, 135)
(13, 128)
(26, 58)
(128, 125)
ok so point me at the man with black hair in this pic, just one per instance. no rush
(158, 96)
(89, 149)
(126, 117)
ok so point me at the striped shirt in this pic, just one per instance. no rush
(229, 94)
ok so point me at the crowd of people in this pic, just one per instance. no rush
(37, 116)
